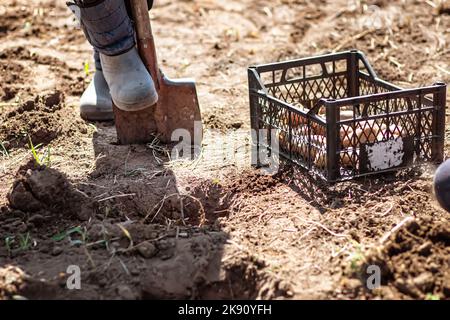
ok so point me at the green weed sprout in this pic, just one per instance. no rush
(68, 233)
(48, 162)
(86, 68)
(23, 243)
(45, 159)
(9, 241)
(93, 127)
(3, 150)
(431, 296)
(356, 257)
(27, 26)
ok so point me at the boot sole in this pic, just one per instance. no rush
(97, 115)
(149, 102)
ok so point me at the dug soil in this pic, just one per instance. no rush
(414, 263)
(139, 224)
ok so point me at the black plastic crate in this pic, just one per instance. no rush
(332, 115)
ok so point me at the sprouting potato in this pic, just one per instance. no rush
(346, 114)
(317, 142)
(321, 160)
(346, 159)
(297, 131)
(283, 141)
(397, 130)
(301, 130)
(346, 134)
(318, 129)
(369, 131)
(296, 119)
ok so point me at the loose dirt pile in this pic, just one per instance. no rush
(57, 225)
(414, 263)
(41, 119)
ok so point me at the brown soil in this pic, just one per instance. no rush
(152, 260)
(13, 73)
(414, 263)
(46, 192)
(40, 120)
(141, 225)
(71, 84)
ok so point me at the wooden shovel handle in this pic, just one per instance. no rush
(145, 41)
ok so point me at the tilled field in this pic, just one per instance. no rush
(141, 225)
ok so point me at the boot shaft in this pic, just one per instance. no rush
(88, 3)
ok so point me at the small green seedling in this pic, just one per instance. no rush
(45, 159)
(48, 157)
(86, 68)
(68, 235)
(21, 242)
(127, 234)
(33, 151)
(24, 241)
(27, 26)
(356, 257)
(431, 296)
(9, 242)
(93, 127)
(355, 261)
(3, 150)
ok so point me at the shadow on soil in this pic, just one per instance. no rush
(324, 196)
(129, 227)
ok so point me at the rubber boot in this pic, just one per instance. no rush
(130, 84)
(110, 30)
(96, 103)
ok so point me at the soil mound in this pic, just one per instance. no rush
(41, 119)
(414, 263)
(48, 190)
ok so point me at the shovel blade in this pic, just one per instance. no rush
(136, 127)
(178, 112)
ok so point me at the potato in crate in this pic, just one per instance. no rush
(335, 117)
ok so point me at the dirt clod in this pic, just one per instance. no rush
(47, 190)
(57, 251)
(414, 260)
(147, 250)
(126, 293)
(42, 119)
